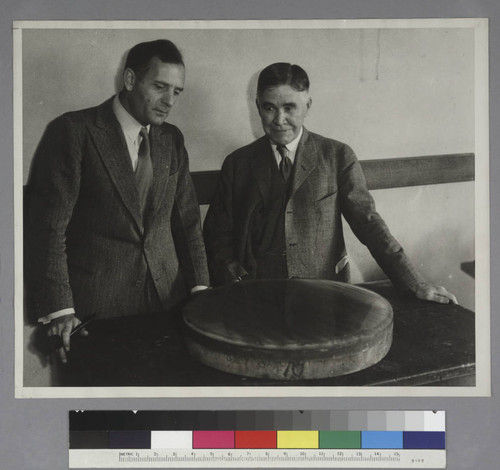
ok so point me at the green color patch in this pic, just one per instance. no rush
(340, 439)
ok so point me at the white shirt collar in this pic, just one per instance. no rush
(131, 127)
(291, 147)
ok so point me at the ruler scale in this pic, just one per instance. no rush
(256, 439)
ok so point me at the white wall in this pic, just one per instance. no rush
(388, 93)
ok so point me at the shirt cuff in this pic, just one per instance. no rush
(198, 288)
(52, 316)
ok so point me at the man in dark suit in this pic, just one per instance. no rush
(113, 224)
(277, 210)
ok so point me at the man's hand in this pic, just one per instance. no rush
(63, 326)
(435, 294)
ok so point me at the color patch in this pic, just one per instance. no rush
(88, 440)
(414, 421)
(424, 440)
(340, 440)
(395, 421)
(376, 421)
(357, 421)
(213, 439)
(255, 440)
(434, 421)
(298, 440)
(171, 440)
(381, 439)
(129, 439)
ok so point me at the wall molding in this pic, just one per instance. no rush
(381, 174)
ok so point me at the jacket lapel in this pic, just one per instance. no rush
(261, 166)
(110, 142)
(306, 161)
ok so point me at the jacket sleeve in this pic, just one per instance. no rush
(358, 208)
(52, 192)
(218, 231)
(186, 224)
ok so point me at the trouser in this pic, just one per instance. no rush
(150, 302)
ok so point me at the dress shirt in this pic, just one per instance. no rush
(131, 130)
(291, 147)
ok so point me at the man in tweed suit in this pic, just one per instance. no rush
(113, 224)
(277, 210)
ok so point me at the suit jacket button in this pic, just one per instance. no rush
(138, 283)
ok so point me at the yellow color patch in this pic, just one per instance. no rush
(298, 440)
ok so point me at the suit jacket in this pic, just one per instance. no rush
(88, 245)
(327, 182)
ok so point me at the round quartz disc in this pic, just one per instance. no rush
(288, 329)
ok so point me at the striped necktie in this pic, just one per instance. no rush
(285, 163)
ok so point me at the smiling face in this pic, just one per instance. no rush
(149, 98)
(282, 110)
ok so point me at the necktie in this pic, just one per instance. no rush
(285, 163)
(144, 170)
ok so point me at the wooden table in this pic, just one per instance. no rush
(433, 344)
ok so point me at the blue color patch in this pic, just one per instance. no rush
(382, 439)
(424, 440)
(130, 439)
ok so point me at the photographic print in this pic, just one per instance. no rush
(252, 208)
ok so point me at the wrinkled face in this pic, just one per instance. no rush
(282, 110)
(149, 98)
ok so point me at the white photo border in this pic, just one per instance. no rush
(482, 241)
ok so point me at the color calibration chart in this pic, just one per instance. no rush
(257, 439)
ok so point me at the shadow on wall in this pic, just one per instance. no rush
(433, 255)
(38, 364)
(442, 264)
(118, 80)
(253, 114)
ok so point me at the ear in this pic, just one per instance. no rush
(309, 104)
(129, 79)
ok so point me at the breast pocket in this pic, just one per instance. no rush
(326, 210)
(172, 178)
(326, 204)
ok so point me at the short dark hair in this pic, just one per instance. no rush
(282, 73)
(140, 56)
